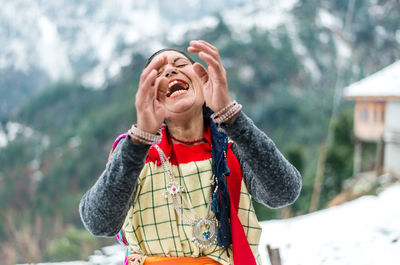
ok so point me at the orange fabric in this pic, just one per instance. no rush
(180, 261)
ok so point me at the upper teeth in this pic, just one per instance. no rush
(176, 82)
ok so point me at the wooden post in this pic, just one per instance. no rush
(319, 176)
(274, 255)
(379, 157)
(357, 157)
(286, 212)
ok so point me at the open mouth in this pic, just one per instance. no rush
(177, 87)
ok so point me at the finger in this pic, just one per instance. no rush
(212, 47)
(193, 50)
(201, 46)
(198, 46)
(162, 89)
(210, 61)
(156, 64)
(206, 54)
(146, 90)
(202, 42)
(201, 72)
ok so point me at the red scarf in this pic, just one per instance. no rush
(242, 253)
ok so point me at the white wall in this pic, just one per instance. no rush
(392, 116)
(392, 137)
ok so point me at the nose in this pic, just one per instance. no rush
(170, 70)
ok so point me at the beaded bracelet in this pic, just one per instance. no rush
(144, 137)
(222, 111)
(139, 139)
(136, 138)
(229, 114)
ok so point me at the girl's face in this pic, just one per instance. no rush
(185, 90)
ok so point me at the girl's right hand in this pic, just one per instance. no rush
(150, 97)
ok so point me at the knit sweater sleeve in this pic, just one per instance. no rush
(268, 176)
(104, 207)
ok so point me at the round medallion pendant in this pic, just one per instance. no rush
(205, 232)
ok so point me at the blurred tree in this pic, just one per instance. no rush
(295, 155)
(73, 244)
(339, 161)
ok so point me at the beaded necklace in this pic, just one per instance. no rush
(186, 142)
(204, 230)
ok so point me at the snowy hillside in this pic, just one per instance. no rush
(43, 42)
(92, 40)
(365, 231)
(64, 37)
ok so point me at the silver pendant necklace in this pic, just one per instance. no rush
(204, 229)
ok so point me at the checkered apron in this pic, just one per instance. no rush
(153, 228)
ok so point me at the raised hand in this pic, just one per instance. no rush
(150, 97)
(214, 80)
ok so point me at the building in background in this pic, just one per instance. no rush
(377, 117)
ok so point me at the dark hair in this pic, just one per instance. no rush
(168, 49)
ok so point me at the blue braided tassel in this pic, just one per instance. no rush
(215, 202)
(220, 200)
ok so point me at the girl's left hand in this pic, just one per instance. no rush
(214, 80)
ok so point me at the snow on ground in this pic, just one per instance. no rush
(111, 255)
(365, 231)
(64, 263)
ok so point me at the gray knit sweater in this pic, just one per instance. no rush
(269, 177)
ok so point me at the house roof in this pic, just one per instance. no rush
(384, 83)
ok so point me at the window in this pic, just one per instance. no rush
(363, 115)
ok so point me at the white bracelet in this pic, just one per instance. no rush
(140, 140)
(229, 114)
(222, 111)
(144, 137)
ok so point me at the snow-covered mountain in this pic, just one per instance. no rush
(92, 40)
(43, 42)
(65, 37)
(46, 41)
